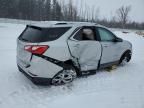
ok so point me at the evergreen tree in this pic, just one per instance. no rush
(48, 10)
(3, 8)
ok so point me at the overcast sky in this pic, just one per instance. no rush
(108, 7)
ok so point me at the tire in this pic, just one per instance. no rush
(126, 57)
(65, 76)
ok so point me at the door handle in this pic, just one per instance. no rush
(76, 45)
(105, 45)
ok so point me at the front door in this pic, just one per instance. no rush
(110, 48)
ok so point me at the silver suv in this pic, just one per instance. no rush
(58, 53)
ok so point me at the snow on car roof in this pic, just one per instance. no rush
(44, 24)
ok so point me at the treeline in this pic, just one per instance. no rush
(38, 10)
(45, 10)
(117, 24)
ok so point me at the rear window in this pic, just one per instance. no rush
(34, 34)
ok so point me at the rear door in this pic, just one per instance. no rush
(86, 51)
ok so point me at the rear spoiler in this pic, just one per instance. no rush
(35, 27)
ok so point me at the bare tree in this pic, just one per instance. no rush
(123, 15)
(97, 14)
(93, 13)
(87, 13)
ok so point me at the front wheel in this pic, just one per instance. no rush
(125, 58)
(64, 77)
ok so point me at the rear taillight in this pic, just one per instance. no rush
(36, 49)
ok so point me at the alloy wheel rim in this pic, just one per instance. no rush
(66, 76)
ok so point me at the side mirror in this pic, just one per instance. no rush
(118, 39)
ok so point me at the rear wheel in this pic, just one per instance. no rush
(64, 77)
(125, 58)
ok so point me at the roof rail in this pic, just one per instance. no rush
(60, 23)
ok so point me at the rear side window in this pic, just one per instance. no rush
(34, 34)
(85, 34)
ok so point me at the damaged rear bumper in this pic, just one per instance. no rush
(36, 80)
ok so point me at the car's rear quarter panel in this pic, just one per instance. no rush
(43, 68)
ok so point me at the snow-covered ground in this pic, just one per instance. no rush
(121, 88)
